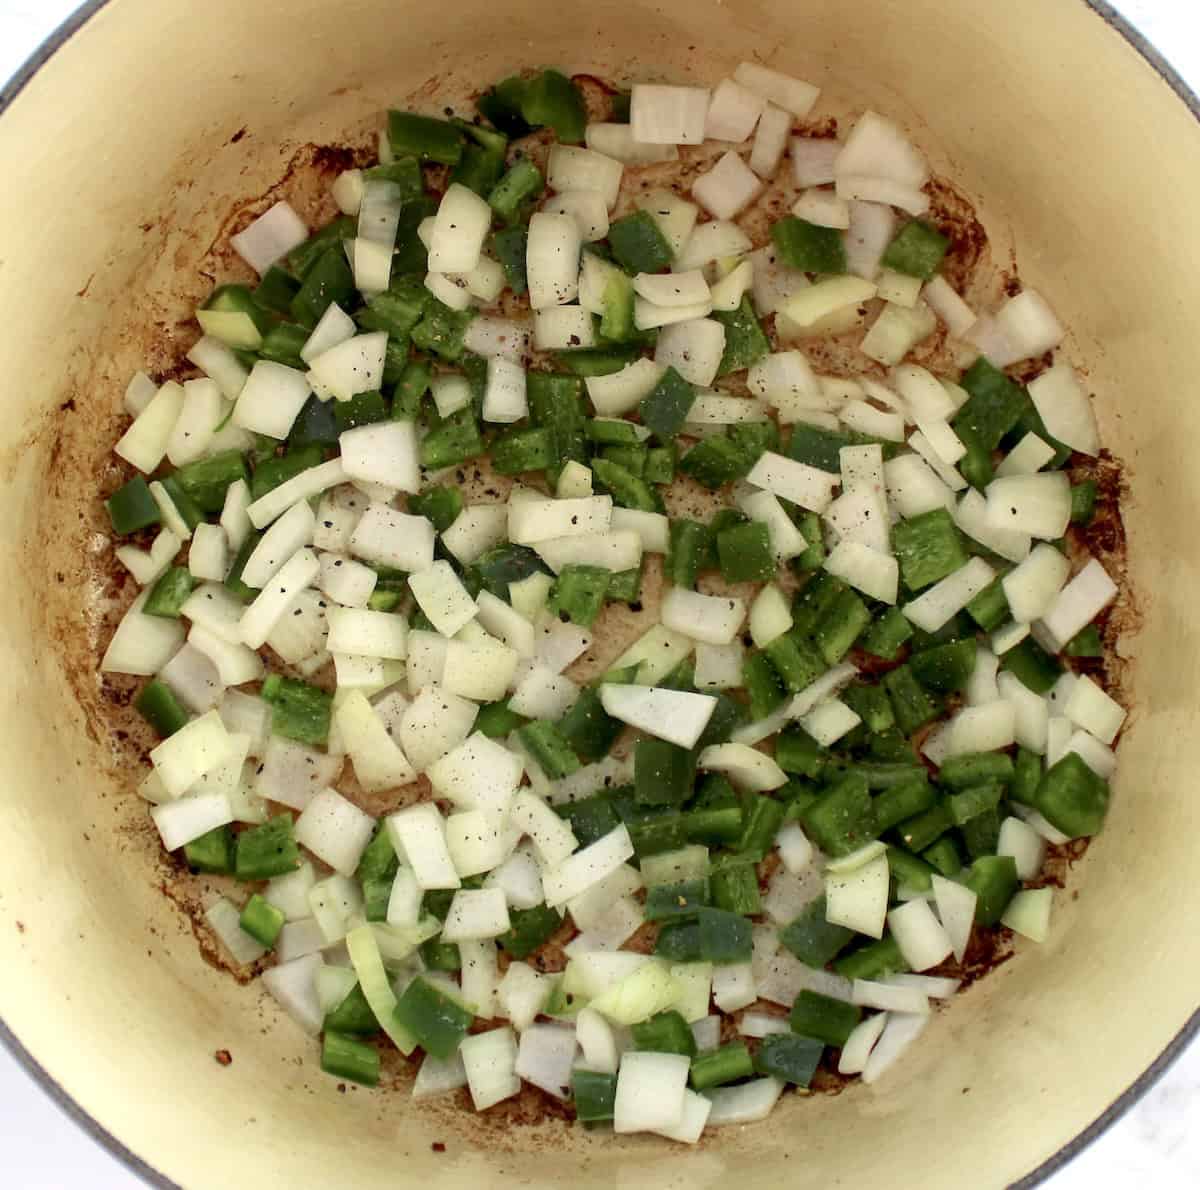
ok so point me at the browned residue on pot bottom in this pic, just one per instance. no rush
(81, 461)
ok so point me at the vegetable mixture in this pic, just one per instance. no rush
(762, 838)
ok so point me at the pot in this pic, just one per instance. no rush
(128, 142)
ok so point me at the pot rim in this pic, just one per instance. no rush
(1036, 1177)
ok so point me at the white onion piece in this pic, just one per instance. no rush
(534, 521)
(310, 482)
(460, 227)
(872, 228)
(827, 685)
(873, 573)
(562, 328)
(216, 361)
(982, 729)
(877, 148)
(490, 1061)
(897, 331)
(1100, 758)
(419, 834)
(882, 191)
(677, 716)
(519, 877)
(948, 475)
(476, 914)
(858, 899)
(650, 1091)
(889, 997)
(1028, 913)
(866, 419)
(615, 551)
(270, 237)
(545, 1058)
(588, 866)
(1029, 455)
(827, 297)
(860, 515)
(187, 818)
(1032, 587)
(773, 282)
(895, 287)
(379, 762)
(956, 909)
(786, 540)
(490, 336)
(946, 598)
(655, 653)
(572, 168)
(786, 380)
(733, 111)
(674, 216)
(194, 750)
(475, 530)
(574, 481)
(792, 94)
(948, 306)
(1039, 504)
(728, 188)
(623, 391)
(823, 208)
(1027, 848)
(616, 141)
(334, 326)
(1063, 404)
(196, 423)
(857, 1050)
(922, 939)
(693, 347)
(272, 397)
(1031, 714)
(290, 533)
(747, 768)
(335, 830)
(439, 1076)
(145, 442)
(662, 115)
(809, 487)
(719, 667)
(971, 517)
(293, 985)
(901, 1030)
(711, 241)
(728, 292)
(1078, 604)
(770, 140)
(672, 289)
(744, 1104)
(770, 615)
(148, 566)
(1091, 708)
(552, 260)
(714, 619)
(394, 539)
(647, 315)
(813, 161)
(652, 527)
(1028, 326)
(351, 367)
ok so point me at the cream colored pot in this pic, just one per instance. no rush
(120, 162)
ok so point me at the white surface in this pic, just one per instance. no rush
(1155, 1145)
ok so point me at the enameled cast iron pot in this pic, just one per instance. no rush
(120, 162)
